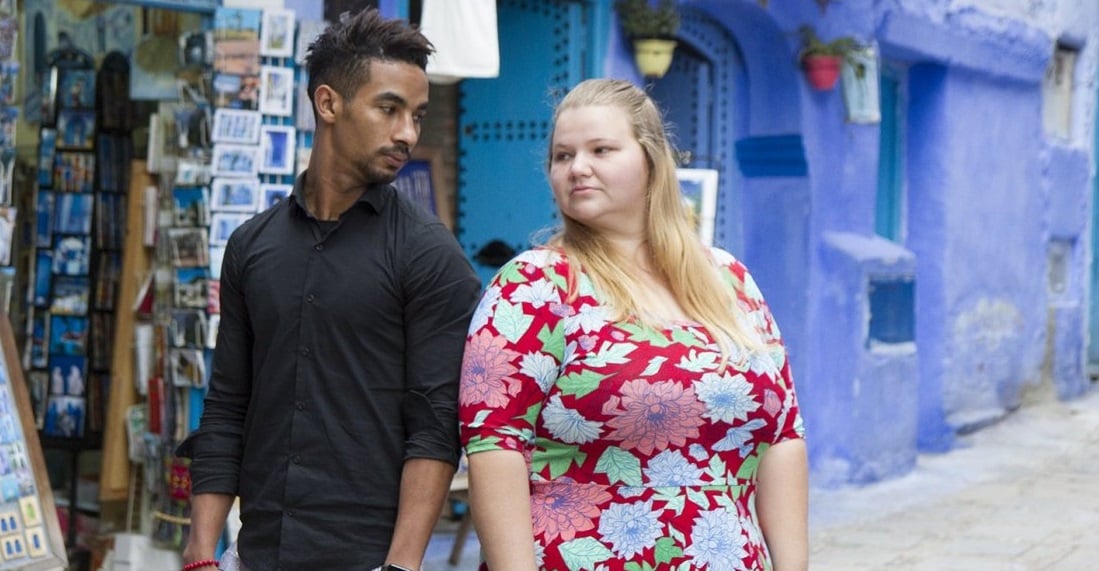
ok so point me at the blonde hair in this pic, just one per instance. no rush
(670, 236)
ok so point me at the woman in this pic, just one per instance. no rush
(626, 400)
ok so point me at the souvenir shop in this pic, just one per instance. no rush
(135, 136)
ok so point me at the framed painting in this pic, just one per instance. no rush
(699, 188)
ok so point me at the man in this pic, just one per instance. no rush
(332, 404)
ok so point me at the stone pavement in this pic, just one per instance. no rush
(1021, 495)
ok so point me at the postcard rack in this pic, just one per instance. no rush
(79, 220)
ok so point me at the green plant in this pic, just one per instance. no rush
(640, 19)
(811, 44)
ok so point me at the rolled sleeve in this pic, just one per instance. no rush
(216, 446)
(441, 293)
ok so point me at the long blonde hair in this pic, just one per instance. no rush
(671, 240)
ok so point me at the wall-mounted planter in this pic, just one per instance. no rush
(822, 71)
(653, 56)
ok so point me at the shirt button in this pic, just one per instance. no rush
(296, 459)
(309, 298)
(290, 513)
(305, 351)
(318, 247)
(300, 405)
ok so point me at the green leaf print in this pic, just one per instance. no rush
(686, 337)
(698, 497)
(654, 366)
(510, 320)
(672, 498)
(531, 415)
(483, 443)
(579, 384)
(557, 456)
(716, 470)
(479, 420)
(677, 535)
(620, 466)
(553, 340)
(633, 566)
(510, 274)
(666, 550)
(642, 334)
(610, 354)
(747, 469)
(557, 279)
(584, 553)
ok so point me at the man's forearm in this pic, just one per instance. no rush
(425, 484)
(208, 513)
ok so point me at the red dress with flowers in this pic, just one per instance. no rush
(642, 451)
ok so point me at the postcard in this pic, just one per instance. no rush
(276, 90)
(189, 247)
(67, 375)
(190, 287)
(308, 31)
(76, 89)
(224, 224)
(71, 255)
(47, 146)
(190, 206)
(64, 417)
(188, 368)
(73, 212)
(272, 194)
(39, 339)
(76, 129)
(236, 91)
(70, 295)
(235, 194)
(43, 277)
(236, 160)
(68, 335)
(277, 33)
(187, 328)
(236, 126)
(74, 172)
(277, 143)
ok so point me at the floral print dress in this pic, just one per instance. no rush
(642, 452)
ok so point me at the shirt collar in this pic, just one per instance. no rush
(376, 197)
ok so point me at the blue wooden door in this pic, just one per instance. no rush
(697, 96)
(504, 125)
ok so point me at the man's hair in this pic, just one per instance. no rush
(340, 57)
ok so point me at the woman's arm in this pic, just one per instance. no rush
(499, 493)
(782, 504)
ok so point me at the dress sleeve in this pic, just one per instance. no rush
(513, 353)
(757, 315)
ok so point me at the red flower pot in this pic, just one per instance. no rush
(822, 71)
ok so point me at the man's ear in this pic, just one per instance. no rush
(327, 102)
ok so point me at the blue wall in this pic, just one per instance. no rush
(989, 200)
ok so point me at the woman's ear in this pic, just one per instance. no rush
(327, 103)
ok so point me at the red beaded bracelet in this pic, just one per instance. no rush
(200, 564)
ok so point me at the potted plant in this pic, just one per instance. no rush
(652, 29)
(821, 60)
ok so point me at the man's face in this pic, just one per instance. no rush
(380, 124)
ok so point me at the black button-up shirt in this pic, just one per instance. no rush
(338, 357)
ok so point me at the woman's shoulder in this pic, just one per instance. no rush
(735, 270)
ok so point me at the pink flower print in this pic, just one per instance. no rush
(562, 309)
(564, 509)
(617, 335)
(587, 342)
(486, 369)
(654, 415)
(771, 404)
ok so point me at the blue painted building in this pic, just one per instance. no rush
(929, 270)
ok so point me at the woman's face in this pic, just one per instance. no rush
(598, 170)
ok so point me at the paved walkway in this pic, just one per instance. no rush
(1021, 495)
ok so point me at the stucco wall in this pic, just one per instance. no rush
(986, 189)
